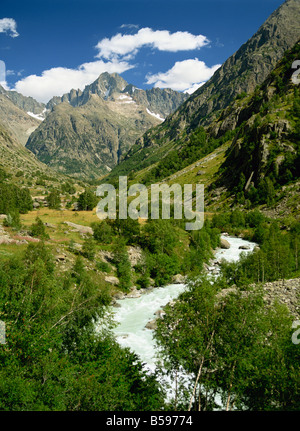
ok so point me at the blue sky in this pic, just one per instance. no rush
(51, 46)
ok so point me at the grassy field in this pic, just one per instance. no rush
(84, 218)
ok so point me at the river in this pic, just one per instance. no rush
(133, 314)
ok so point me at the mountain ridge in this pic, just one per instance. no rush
(278, 33)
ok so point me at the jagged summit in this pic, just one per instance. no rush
(111, 86)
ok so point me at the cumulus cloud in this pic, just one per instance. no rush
(114, 55)
(127, 45)
(186, 75)
(60, 80)
(9, 25)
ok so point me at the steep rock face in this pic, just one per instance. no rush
(16, 121)
(27, 104)
(245, 69)
(87, 132)
(264, 154)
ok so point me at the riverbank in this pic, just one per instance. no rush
(132, 312)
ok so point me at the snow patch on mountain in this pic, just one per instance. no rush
(155, 115)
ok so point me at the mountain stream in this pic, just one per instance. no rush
(133, 314)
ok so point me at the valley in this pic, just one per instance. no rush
(67, 278)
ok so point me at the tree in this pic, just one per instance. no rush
(102, 232)
(121, 260)
(128, 228)
(87, 201)
(159, 236)
(230, 344)
(88, 249)
(162, 267)
(54, 359)
(13, 220)
(53, 200)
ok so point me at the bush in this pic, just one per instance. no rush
(13, 220)
(102, 232)
(103, 267)
(37, 229)
(88, 249)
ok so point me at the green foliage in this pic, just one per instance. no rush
(53, 199)
(121, 260)
(162, 267)
(231, 344)
(198, 146)
(88, 249)
(202, 242)
(37, 229)
(103, 267)
(13, 220)
(68, 188)
(276, 258)
(87, 201)
(102, 232)
(13, 198)
(128, 228)
(159, 236)
(53, 358)
(3, 175)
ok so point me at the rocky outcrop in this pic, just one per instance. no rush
(17, 122)
(112, 87)
(79, 228)
(135, 255)
(286, 292)
(112, 280)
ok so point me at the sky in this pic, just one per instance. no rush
(48, 47)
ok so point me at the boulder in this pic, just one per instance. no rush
(224, 243)
(159, 313)
(178, 279)
(79, 228)
(151, 325)
(134, 294)
(112, 280)
(119, 295)
(244, 247)
(61, 258)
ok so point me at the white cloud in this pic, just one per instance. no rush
(9, 25)
(127, 45)
(60, 80)
(186, 75)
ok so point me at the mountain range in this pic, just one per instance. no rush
(242, 123)
(86, 133)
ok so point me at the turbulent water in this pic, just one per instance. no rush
(134, 313)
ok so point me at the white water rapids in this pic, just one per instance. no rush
(134, 313)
